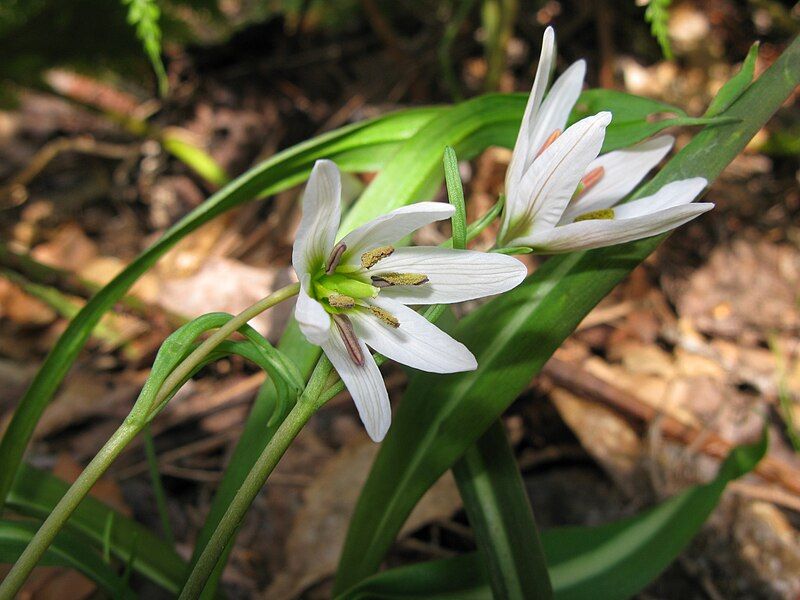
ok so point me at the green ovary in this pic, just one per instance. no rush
(339, 285)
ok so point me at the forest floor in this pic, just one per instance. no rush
(689, 356)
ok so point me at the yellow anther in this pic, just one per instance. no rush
(370, 259)
(605, 213)
(341, 301)
(385, 316)
(389, 279)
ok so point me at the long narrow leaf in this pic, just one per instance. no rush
(413, 174)
(613, 561)
(501, 518)
(66, 551)
(514, 335)
(361, 147)
(36, 492)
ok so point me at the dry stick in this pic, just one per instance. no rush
(130, 428)
(579, 381)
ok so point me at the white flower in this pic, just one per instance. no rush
(354, 293)
(560, 196)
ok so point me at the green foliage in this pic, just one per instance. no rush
(496, 502)
(613, 561)
(67, 551)
(657, 14)
(143, 16)
(513, 335)
(736, 85)
(455, 193)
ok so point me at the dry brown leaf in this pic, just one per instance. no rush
(319, 528)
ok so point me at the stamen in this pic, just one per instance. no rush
(385, 316)
(553, 137)
(390, 279)
(605, 213)
(370, 259)
(334, 258)
(341, 301)
(589, 180)
(345, 328)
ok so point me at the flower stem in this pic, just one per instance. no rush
(58, 518)
(306, 406)
(183, 370)
(129, 429)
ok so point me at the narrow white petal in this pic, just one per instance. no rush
(672, 194)
(550, 182)
(388, 229)
(365, 384)
(320, 220)
(454, 275)
(519, 157)
(417, 342)
(556, 107)
(622, 171)
(585, 235)
(312, 319)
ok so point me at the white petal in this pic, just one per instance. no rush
(556, 107)
(519, 157)
(454, 275)
(417, 342)
(672, 194)
(320, 220)
(553, 177)
(365, 384)
(623, 170)
(313, 320)
(396, 225)
(585, 235)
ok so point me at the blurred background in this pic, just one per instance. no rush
(117, 119)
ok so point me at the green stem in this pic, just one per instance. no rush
(130, 428)
(306, 406)
(183, 370)
(58, 518)
(158, 487)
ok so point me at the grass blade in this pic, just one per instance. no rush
(513, 336)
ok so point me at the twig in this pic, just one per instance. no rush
(579, 381)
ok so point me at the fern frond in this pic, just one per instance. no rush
(143, 15)
(657, 14)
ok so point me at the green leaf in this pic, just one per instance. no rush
(736, 85)
(35, 493)
(613, 561)
(455, 193)
(360, 147)
(194, 157)
(500, 515)
(513, 335)
(65, 551)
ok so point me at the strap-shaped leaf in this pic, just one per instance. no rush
(513, 336)
(501, 518)
(36, 492)
(66, 551)
(413, 174)
(361, 147)
(613, 561)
